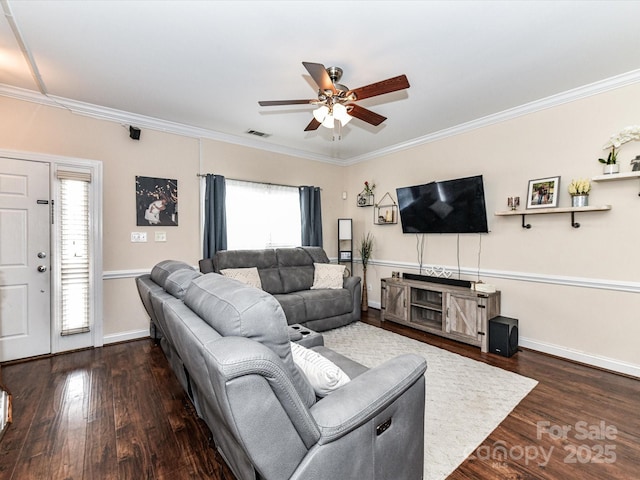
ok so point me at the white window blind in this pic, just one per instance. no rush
(261, 215)
(74, 253)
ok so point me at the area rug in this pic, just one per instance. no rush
(465, 399)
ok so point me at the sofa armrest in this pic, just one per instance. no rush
(366, 396)
(351, 283)
(206, 265)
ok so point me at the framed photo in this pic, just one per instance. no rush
(156, 202)
(543, 192)
(345, 256)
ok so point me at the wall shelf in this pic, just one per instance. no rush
(386, 213)
(539, 211)
(365, 199)
(616, 176)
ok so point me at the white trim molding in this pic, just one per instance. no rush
(582, 357)
(125, 336)
(116, 274)
(586, 358)
(530, 343)
(581, 282)
(119, 116)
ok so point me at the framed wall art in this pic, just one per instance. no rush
(156, 202)
(543, 192)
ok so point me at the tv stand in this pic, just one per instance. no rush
(450, 311)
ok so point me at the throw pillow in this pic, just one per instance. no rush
(323, 375)
(326, 275)
(250, 275)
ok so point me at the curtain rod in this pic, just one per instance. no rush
(252, 181)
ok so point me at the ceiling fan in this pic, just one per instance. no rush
(335, 101)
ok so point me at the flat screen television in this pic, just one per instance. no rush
(450, 206)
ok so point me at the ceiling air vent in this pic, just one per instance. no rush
(258, 134)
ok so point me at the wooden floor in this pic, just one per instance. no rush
(118, 412)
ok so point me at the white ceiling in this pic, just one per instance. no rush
(201, 67)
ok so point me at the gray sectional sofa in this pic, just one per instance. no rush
(229, 346)
(287, 274)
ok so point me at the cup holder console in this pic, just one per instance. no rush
(306, 337)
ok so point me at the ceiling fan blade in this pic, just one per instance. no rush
(320, 76)
(313, 125)
(271, 103)
(379, 88)
(365, 114)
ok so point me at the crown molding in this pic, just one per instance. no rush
(573, 95)
(128, 118)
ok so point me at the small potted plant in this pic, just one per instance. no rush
(579, 191)
(627, 134)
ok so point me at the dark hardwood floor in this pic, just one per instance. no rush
(118, 412)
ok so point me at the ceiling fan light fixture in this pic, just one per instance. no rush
(321, 113)
(328, 122)
(340, 113)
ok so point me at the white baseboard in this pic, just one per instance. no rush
(125, 336)
(575, 355)
(582, 357)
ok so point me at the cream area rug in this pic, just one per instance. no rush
(465, 399)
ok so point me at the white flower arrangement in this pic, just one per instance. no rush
(580, 187)
(627, 134)
(632, 132)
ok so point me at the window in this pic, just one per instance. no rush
(73, 230)
(261, 215)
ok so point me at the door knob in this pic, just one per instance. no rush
(42, 268)
(42, 255)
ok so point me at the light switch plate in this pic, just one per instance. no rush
(138, 237)
(161, 236)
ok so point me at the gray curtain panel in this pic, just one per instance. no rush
(215, 217)
(311, 216)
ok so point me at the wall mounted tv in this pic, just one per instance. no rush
(450, 206)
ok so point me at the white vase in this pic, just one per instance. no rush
(610, 168)
(579, 200)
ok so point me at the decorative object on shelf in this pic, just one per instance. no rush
(542, 192)
(580, 200)
(627, 134)
(635, 164)
(366, 197)
(513, 202)
(395, 275)
(579, 191)
(439, 272)
(386, 213)
(366, 249)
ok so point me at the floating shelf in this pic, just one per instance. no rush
(616, 176)
(539, 211)
(365, 199)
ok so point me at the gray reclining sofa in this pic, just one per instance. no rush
(287, 274)
(228, 344)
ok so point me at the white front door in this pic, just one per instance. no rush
(25, 284)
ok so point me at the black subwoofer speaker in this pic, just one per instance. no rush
(503, 336)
